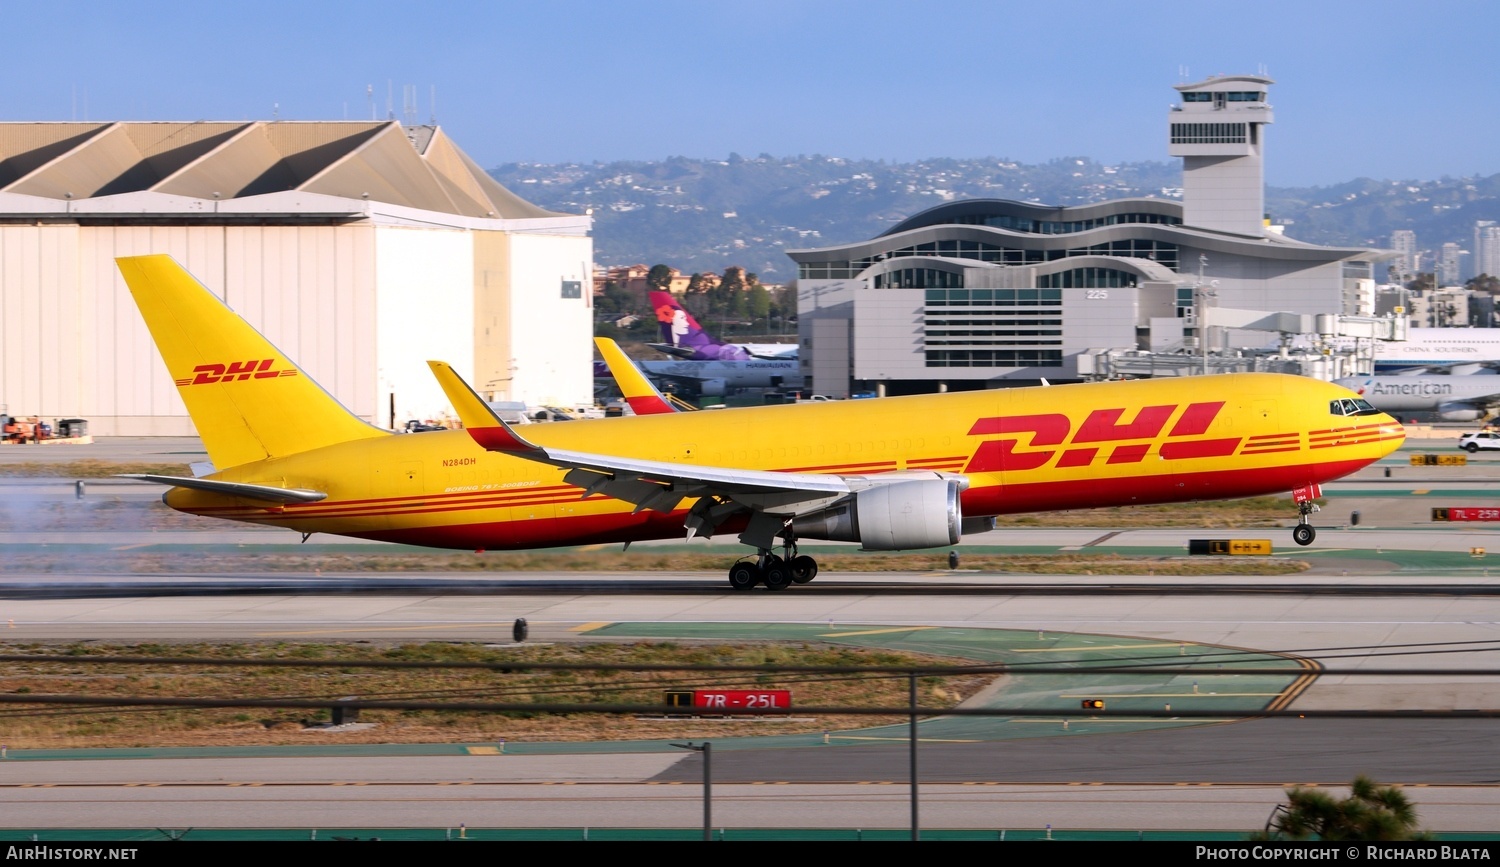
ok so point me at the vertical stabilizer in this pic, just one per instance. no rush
(248, 400)
(682, 336)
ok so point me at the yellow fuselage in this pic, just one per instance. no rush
(1023, 450)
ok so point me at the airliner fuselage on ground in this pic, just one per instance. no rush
(716, 377)
(895, 473)
(1463, 350)
(1454, 397)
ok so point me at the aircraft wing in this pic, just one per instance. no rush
(771, 497)
(680, 378)
(1483, 401)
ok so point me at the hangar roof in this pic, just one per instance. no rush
(380, 161)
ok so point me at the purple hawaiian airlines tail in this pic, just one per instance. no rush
(683, 337)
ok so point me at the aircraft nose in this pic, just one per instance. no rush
(1392, 431)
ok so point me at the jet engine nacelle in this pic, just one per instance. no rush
(1454, 411)
(892, 516)
(712, 388)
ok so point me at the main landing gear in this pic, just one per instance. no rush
(777, 573)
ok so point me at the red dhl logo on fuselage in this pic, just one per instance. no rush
(207, 374)
(1101, 428)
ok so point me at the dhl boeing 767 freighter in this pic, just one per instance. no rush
(894, 473)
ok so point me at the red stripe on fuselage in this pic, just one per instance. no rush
(1046, 496)
(1007, 498)
(1219, 448)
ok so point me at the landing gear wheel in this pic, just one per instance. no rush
(743, 576)
(776, 576)
(803, 569)
(1304, 534)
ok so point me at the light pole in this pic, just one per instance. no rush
(1202, 292)
(706, 749)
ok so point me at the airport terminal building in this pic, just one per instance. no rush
(360, 249)
(973, 291)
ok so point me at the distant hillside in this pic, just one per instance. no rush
(1365, 211)
(705, 215)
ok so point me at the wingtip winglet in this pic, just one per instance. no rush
(484, 427)
(638, 391)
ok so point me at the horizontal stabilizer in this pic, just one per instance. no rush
(234, 489)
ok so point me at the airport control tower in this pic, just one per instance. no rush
(1217, 129)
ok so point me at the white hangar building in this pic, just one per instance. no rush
(361, 249)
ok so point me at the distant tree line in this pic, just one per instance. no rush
(734, 305)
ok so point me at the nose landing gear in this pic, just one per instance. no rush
(1303, 533)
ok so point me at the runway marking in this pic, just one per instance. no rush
(1310, 671)
(1172, 695)
(877, 631)
(590, 627)
(373, 628)
(1070, 649)
(1117, 719)
(906, 740)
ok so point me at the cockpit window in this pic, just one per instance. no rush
(1355, 406)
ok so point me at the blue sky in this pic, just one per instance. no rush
(1371, 88)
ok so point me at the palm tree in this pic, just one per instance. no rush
(1371, 812)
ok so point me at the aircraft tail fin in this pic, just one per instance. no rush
(642, 396)
(248, 400)
(683, 337)
(481, 422)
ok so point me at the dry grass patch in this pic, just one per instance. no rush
(36, 726)
(90, 469)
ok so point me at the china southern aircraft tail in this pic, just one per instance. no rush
(248, 401)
